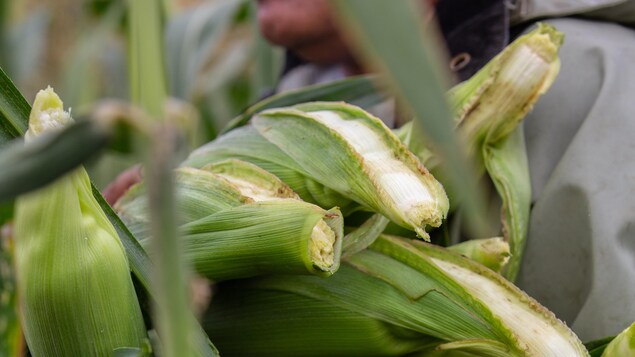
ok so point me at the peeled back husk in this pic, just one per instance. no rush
(415, 297)
(247, 144)
(355, 154)
(487, 109)
(75, 290)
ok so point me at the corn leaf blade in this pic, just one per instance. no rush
(14, 110)
(361, 91)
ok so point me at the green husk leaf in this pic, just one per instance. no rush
(277, 236)
(468, 348)
(506, 163)
(428, 290)
(622, 345)
(364, 235)
(490, 252)
(248, 145)
(251, 180)
(295, 325)
(200, 193)
(241, 221)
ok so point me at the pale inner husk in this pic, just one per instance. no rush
(522, 77)
(534, 331)
(251, 190)
(407, 193)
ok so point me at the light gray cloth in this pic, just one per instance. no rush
(580, 257)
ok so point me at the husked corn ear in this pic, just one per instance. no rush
(74, 285)
(491, 252)
(426, 297)
(622, 345)
(242, 221)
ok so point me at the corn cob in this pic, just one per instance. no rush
(76, 294)
(243, 221)
(344, 149)
(414, 297)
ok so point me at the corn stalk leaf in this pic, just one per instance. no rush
(191, 37)
(14, 110)
(47, 158)
(361, 91)
(172, 314)
(178, 330)
(268, 61)
(147, 75)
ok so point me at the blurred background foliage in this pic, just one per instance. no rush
(216, 60)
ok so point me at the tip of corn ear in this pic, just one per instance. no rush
(47, 113)
(322, 247)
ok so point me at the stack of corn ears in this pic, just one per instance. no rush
(398, 296)
(76, 296)
(332, 154)
(241, 220)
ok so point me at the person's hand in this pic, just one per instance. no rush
(308, 28)
(305, 27)
(121, 184)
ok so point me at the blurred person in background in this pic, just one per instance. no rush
(580, 255)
